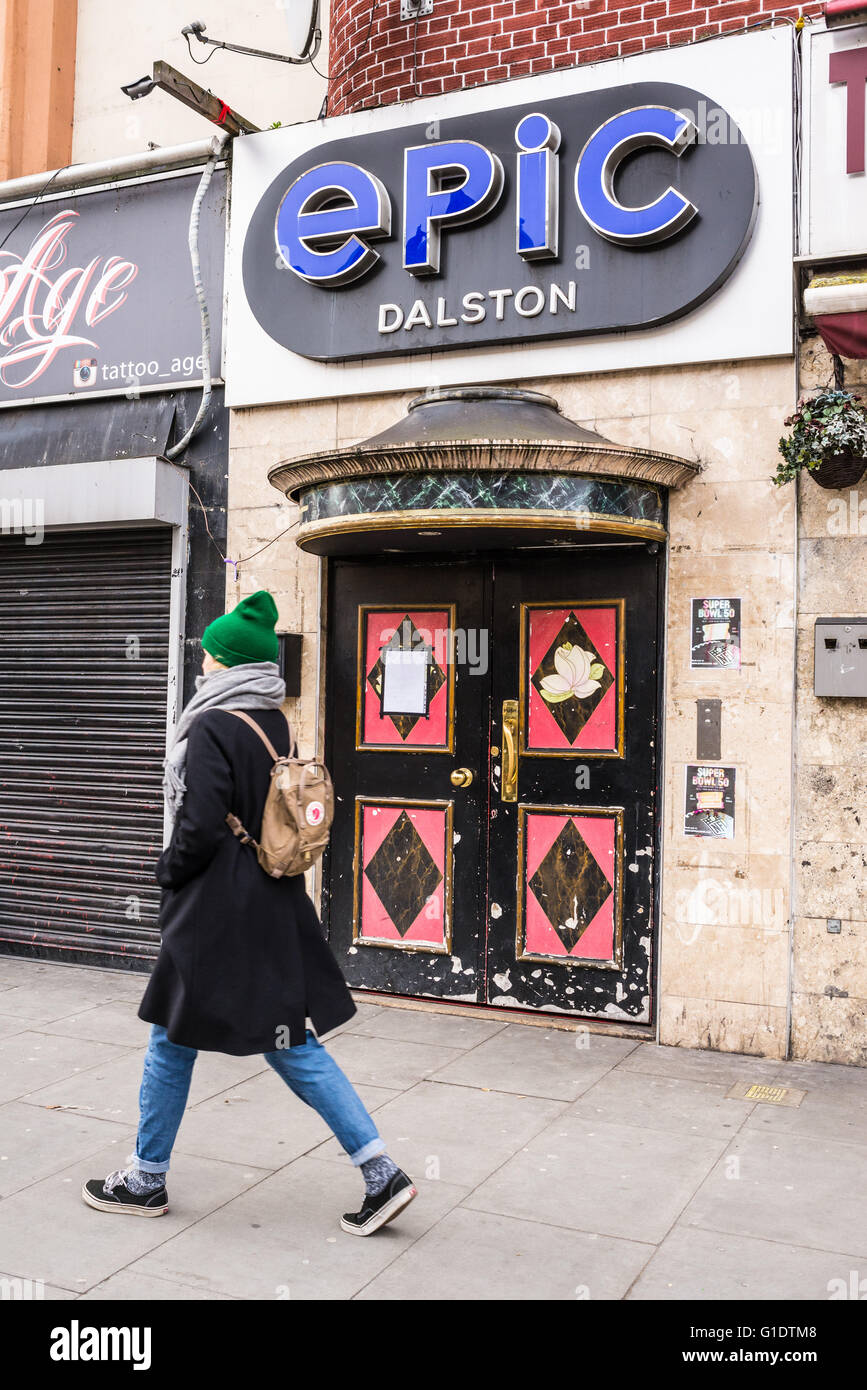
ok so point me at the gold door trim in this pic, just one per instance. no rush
(482, 519)
(615, 812)
(361, 677)
(448, 858)
(523, 680)
(509, 724)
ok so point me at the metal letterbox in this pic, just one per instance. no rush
(841, 657)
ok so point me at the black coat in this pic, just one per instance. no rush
(242, 955)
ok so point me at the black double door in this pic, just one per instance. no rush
(491, 731)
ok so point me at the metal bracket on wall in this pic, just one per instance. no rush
(708, 731)
(415, 9)
(289, 660)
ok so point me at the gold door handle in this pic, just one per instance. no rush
(461, 777)
(509, 784)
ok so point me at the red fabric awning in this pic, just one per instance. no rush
(844, 334)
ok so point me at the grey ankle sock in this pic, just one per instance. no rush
(377, 1172)
(139, 1182)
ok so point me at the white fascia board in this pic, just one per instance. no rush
(118, 492)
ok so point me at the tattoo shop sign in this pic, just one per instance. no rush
(97, 294)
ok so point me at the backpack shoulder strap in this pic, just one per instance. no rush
(293, 745)
(239, 714)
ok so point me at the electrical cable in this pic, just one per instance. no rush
(339, 76)
(236, 563)
(31, 206)
(193, 240)
(199, 62)
(415, 55)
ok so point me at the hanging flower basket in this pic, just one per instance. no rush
(827, 439)
(839, 470)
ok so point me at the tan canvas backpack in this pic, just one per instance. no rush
(298, 811)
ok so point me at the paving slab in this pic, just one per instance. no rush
(129, 979)
(419, 1025)
(477, 1256)
(792, 1188)
(18, 969)
(115, 1022)
(702, 1266)
(35, 1142)
(533, 1061)
(846, 1084)
(663, 1102)
(610, 1178)
(30, 1061)
(455, 1133)
(692, 1064)
(10, 1024)
(139, 1287)
(77, 1247)
(260, 1122)
(370, 1061)
(110, 1090)
(282, 1241)
(110, 984)
(13, 1289)
(363, 1012)
(50, 1000)
(826, 1114)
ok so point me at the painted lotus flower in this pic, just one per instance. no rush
(577, 675)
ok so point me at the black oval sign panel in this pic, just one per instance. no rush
(602, 212)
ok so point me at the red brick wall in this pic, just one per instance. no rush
(464, 43)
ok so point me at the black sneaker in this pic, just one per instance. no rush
(379, 1210)
(112, 1194)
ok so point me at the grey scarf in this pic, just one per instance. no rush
(253, 685)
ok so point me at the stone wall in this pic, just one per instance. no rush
(829, 1001)
(725, 916)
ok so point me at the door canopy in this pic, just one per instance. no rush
(479, 467)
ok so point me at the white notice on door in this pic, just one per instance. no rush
(404, 682)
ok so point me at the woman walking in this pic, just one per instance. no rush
(243, 962)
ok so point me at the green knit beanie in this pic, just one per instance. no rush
(245, 634)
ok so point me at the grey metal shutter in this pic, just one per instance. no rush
(84, 634)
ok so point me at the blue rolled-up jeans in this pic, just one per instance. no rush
(308, 1070)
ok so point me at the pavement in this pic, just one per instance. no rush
(550, 1164)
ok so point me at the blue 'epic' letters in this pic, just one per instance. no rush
(598, 163)
(331, 213)
(428, 206)
(537, 222)
(306, 227)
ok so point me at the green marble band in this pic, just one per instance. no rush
(447, 491)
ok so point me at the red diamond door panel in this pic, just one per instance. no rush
(403, 870)
(572, 658)
(570, 874)
(393, 644)
(495, 827)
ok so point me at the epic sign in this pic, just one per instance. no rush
(605, 211)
